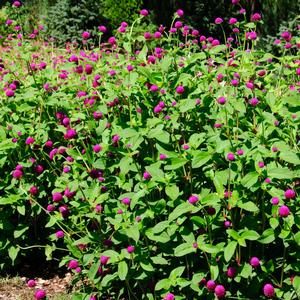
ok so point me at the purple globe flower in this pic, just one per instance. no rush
(104, 259)
(231, 272)
(97, 148)
(126, 201)
(39, 294)
(290, 194)
(73, 264)
(193, 199)
(254, 262)
(284, 211)
(169, 296)
(221, 100)
(230, 156)
(268, 290)
(130, 249)
(253, 101)
(275, 200)
(218, 20)
(180, 89)
(31, 283)
(59, 234)
(56, 197)
(144, 12)
(211, 285)
(147, 175)
(220, 291)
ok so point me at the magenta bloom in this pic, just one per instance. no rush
(289, 194)
(284, 211)
(256, 17)
(70, 134)
(230, 156)
(86, 35)
(220, 291)
(275, 200)
(221, 100)
(73, 264)
(17, 4)
(56, 197)
(253, 101)
(254, 262)
(17, 174)
(193, 199)
(144, 12)
(147, 175)
(130, 249)
(39, 294)
(104, 259)
(31, 283)
(102, 28)
(30, 140)
(180, 12)
(59, 234)
(269, 290)
(240, 152)
(261, 164)
(126, 201)
(218, 20)
(180, 89)
(162, 156)
(231, 272)
(97, 148)
(232, 21)
(10, 93)
(33, 190)
(169, 296)
(210, 285)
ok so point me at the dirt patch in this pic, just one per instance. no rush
(15, 288)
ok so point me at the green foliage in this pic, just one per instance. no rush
(122, 10)
(145, 169)
(68, 19)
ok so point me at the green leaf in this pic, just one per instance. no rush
(158, 260)
(290, 157)
(274, 223)
(176, 163)
(229, 250)
(122, 270)
(156, 173)
(93, 270)
(248, 206)
(20, 230)
(161, 226)
(147, 266)
(297, 238)
(184, 249)
(13, 253)
(250, 235)
(172, 191)
(250, 179)
(200, 158)
(246, 271)
(281, 173)
(133, 232)
(177, 272)
(9, 200)
(217, 49)
(267, 236)
(163, 284)
(181, 209)
(214, 272)
(296, 284)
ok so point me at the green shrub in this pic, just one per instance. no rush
(67, 19)
(162, 166)
(123, 10)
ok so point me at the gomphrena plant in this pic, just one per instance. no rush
(162, 165)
